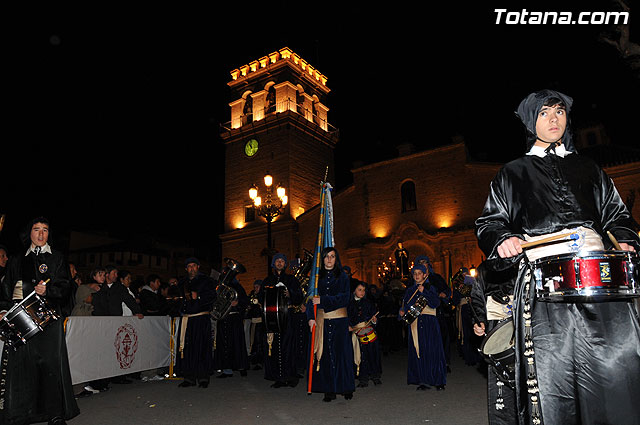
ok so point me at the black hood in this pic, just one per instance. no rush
(528, 114)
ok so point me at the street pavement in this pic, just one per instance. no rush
(250, 400)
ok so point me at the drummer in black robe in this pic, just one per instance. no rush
(194, 361)
(280, 354)
(366, 347)
(492, 305)
(35, 382)
(256, 329)
(576, 362)
(231, 347)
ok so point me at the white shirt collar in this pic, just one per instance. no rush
(46, 248)
(540, 151)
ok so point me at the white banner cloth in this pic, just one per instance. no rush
(105, 346)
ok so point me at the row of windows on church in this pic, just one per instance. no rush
(407, 195)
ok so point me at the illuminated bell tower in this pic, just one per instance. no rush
(279, 127)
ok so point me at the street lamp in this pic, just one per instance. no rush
(270, 207)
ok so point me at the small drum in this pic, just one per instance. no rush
(587, 276)
(275, 309)
(414, 311)
(25, 320)
(366, 335)
(498, 349)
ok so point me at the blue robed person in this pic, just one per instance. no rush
(333, 366)
(426, 364)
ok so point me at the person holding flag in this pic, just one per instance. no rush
(331, 354)
(332, 371)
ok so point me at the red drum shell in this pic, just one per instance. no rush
(587, 276)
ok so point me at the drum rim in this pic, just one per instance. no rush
(586, 255)
(495, 330)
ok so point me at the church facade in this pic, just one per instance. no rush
(426, 201)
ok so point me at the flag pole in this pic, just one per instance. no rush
(315, 278)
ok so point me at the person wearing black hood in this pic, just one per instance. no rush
(279, 347)
(576, 362)
(194, 360)
(36, 378)
(333, 353)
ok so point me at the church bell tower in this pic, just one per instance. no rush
(279, 127)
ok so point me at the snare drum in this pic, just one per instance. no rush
(366, 335)
(414, 311)
(25, 320)
(587, 276)
(498, 349)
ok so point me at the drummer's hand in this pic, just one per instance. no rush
(234, 303)
(510, 247)
(312, 323)
(478, 329)
(401, 312)
(2, 315)
(350, 329)
(140, 316)
(627, 247)
(303, 308)
(316, 300)
(40, 288)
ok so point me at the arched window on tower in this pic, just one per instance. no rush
(247, 110)
(408, 194)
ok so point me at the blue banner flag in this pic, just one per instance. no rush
(325, 235)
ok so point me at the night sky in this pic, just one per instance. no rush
(113, 114)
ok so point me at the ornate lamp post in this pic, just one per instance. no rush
(269, 208)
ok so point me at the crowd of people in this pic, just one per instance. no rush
(357, 324)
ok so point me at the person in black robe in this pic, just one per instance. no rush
(280, 354)
(362, 325)
(194, 361)
(256, 329)
(576, 362)
(495, 289)
(230, 346)
(332, 371)
(467, 340)
(390, 330)
(35, 381)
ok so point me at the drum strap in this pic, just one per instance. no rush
(588, 240)
(414, 327)
(183, 329)
(17, 291)
(497, 311)
(357, 356)
(320, 318)
(463, 301)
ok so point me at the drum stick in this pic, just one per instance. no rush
(366, 324)
(46, 281)
(614, 240)
(573, 236)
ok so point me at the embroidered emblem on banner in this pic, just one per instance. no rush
(126, 345)
(43, 268)
(605, 272)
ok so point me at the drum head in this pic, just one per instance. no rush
(499, 339)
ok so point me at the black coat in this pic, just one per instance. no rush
(108, 300)
(38, 379)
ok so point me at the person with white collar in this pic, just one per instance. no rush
(43, 359)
